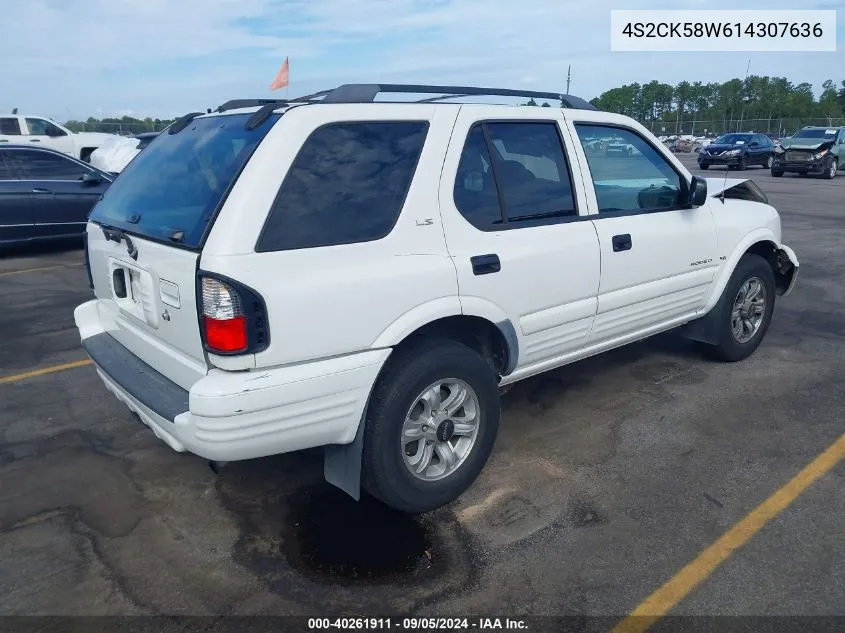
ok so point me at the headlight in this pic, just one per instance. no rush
(735, 152)
(779, 149)
(821, 154)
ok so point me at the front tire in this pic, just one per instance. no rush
(746, 310)
(742, 164)
(431, 425)
(830, 172)
(777, 173)
(704, 165)
(769, 162)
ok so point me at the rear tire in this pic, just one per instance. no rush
(405, 461)
(746, 310)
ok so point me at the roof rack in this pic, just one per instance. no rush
(367, 93)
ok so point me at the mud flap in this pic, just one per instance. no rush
(706, 328)
(342, 463)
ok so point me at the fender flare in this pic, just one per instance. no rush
(756, 236)
(342, 462)
(705, 328)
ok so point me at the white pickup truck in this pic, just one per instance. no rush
(43, 132)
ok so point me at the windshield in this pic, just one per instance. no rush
(817, 133)
(733, 139)
(171, 190)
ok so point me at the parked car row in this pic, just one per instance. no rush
(810, 151)
(43, 132)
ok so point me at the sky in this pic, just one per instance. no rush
(162, 58)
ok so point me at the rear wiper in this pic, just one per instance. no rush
(560, 213)
(116, 235)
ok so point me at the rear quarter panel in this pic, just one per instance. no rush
(336, 300)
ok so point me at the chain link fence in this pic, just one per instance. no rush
(122, 129)
(778, 127)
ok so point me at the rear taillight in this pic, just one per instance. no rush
(232, 317)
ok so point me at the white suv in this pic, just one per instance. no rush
(366, 276)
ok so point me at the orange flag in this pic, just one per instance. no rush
(282, 77)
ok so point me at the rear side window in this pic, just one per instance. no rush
(38, 165)
(10, 126)
(529, 179)
(347, 185)
(170, 191)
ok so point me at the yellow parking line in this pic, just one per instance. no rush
(33, 270)
(681, 584)
(44, 371)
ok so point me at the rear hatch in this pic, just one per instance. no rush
(145, 236)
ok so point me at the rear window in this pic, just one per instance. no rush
(171, 190)
(347, 185)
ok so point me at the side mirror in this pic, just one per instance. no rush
(90, 179)
(697, 191)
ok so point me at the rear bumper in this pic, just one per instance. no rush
(229, 416)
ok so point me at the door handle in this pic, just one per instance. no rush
(41, 190)
(485, 264)
(35, 140)
(622, 243)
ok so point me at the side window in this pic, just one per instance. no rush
(475, 188)
(842, 135)
(10, 126)
(38, 165)
(645, 181)
(347, 184)
(525, 162)
(42, 127)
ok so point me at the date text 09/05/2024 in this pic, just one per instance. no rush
(415, 624)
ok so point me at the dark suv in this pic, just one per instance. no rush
(738, 151)
(812, 150)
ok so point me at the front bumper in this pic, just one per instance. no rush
(229, 416)
(718, 160)
(800, 167)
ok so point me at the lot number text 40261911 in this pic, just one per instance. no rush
(415, 624)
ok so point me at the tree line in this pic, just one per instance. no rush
(782, 103)
(685, 107)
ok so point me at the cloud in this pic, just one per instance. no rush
(162, 57)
